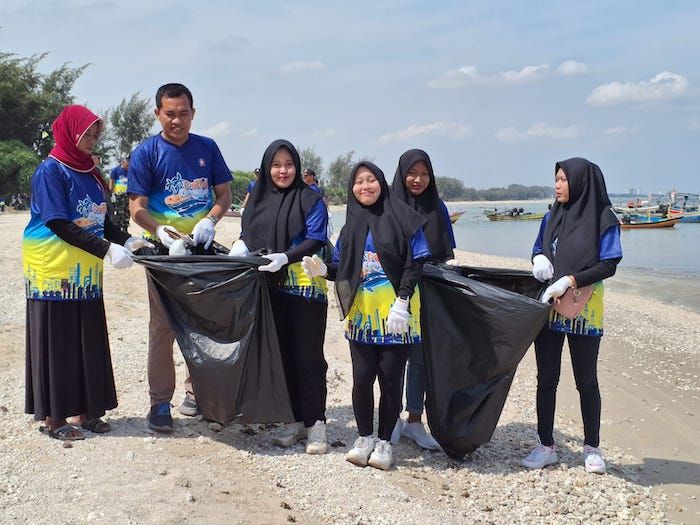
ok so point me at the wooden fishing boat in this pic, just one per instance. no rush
(629, 224)
(684, 215)
(455, 215)
(514, 214)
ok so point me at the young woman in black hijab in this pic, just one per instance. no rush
(578, 246)
(377, 262)
(414, 184)
(288, 220)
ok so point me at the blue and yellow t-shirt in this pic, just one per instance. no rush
(120, 177)
(590, 321)
(177, 180)
(367, 317)
(53, 269)
(298, 283)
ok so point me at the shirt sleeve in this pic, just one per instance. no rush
(317, 222)
(610, 245)
(537, 248)
(50, 193)
(140, 172)
(220, 173)
(419, 245)
(448, 224)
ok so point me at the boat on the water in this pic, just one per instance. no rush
(628, 223)
(455, 215)
(512, 214)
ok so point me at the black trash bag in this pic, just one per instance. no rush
(220, 311)
(477, 324)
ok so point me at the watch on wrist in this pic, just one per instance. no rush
(213, 219)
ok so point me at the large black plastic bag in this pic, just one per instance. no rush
(477, 324)
(220, 310)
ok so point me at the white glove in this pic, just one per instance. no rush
(277, 260)
(179, 248)
(119, 256)
(239, 249)
(542, 269)
(397, 322)
(203, 232)
(557, 289)
(135, 243)
(314, 266)
(241, 211)
(162, 233)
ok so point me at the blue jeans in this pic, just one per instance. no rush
(415, 381)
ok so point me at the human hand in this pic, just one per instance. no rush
(277, 260)
(136, 243)
(314, 266)
(239, 249)
(119, 256)
(203, 232)
(557, 289)
(166, 238)
(542, 269)
(397, 322)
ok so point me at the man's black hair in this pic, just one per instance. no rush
(172, 91)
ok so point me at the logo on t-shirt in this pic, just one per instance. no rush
(92, 215)
(202, 163)
(187, 197)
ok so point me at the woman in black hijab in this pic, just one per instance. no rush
(377, 262)
(286, 220)
(578, 246)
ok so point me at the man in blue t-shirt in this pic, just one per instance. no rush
(178, 184)
(118, 179)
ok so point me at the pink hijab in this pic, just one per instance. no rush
(68, 128)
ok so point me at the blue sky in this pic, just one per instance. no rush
(495, 91)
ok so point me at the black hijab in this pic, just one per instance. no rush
(392, 224)
(428, 204)
(579, 223)
(274, 216)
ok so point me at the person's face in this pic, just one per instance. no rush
(175, 117)
(283, 169)
(89, 138)
(366, 187)
(308, 178)
(125, 164)
(561, 187)
(417, 178)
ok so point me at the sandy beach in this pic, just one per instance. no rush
(649, 373)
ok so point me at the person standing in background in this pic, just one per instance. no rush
(118, 179)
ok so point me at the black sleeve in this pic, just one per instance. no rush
(409, 279)
(332, 271)
(75, 235)
(305, 247)
(113, 233)
(598, 272)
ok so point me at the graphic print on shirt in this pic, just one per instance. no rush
(187, 198)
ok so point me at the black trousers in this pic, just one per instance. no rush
(584, 360)
(387, 362)
(301, 329)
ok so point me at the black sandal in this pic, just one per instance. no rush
(96, 426)
(65, 432)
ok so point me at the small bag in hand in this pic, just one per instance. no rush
(573, 301)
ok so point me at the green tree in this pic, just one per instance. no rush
(130, 123)
(339, 171)
(17, 164)
(30, 100)
(449, 188)
(239, 184)
(311, 160)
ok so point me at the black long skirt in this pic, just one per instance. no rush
(68, 364)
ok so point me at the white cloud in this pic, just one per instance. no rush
(617, 130)
(571, 68)
(450, 130)
(299, 66)
(218, 130)
(469, 75)
(327, 133)
(540, 129)
(249, 133)
(663, 86)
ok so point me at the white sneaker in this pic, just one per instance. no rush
(381, 457)
(593, 459)
(316, 441)
(416, 432)
(540, 457)
(289, 434)
(396, 433)
(360, 451)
